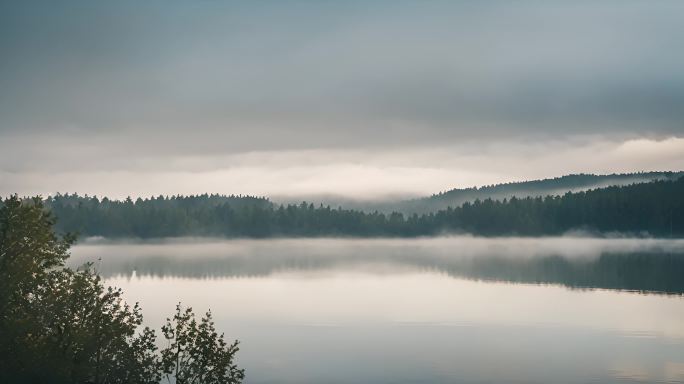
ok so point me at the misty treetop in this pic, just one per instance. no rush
(519, 189)
(531, 188)
(655, 208)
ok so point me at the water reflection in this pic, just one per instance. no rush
(642, 265)
(422, 310)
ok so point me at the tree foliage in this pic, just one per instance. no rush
(60, 325)
(196, 353)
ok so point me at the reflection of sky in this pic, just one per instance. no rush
(298, 326)
(359, 311)
(339, 298)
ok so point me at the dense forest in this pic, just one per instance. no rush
(655, 208)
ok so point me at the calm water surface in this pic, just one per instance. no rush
(444, 310)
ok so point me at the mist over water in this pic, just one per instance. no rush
(654, 265)
(459, 246)
(434, 310)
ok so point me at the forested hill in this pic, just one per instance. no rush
(655, 208)
(533, 188)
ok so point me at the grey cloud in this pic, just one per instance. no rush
(209, 76)
(361, 99)
(363, 173)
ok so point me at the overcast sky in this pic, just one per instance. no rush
(361, 99)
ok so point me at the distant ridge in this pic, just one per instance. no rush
(533, 188)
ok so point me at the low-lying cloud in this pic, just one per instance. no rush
(357, 173)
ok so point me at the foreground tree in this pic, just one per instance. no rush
(60, 325)
(196, 353)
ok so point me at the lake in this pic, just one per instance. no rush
(434, 310)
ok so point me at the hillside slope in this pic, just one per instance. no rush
(533, 188)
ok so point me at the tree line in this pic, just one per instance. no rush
(655, 208)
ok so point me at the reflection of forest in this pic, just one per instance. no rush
(657, 272)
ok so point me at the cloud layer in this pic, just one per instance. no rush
(354, 173)
(347, 97)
